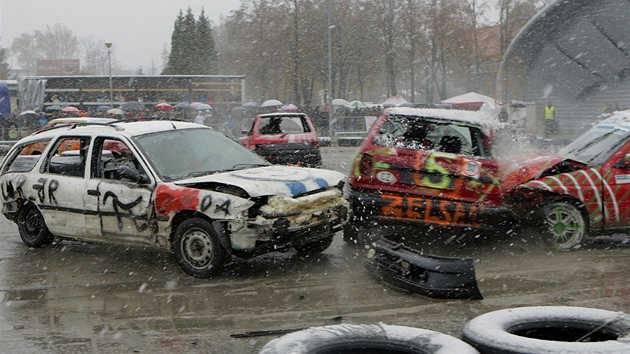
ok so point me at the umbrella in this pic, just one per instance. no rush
(183, 105)
(340, 102)
(53, 108)
(70, 109)
(195, 104)
(251, 104)
(133, 106)
(117, 111)
(271, 103)
(103, 108)
(203, 107)
(25, 113)
(164, 106)
(290, 108)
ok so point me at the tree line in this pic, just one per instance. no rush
(423, 49)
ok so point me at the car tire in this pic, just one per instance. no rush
(359, 233)
(197, 248)
(316, 247)
(565, 224)
(32, 227)
(346, 338)
(549, 329)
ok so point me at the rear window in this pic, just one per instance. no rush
(25, 156)
(415, 133)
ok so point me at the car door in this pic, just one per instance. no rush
(59, 186)
(122, 207)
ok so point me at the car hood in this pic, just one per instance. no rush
(272, 180)
(536, 168)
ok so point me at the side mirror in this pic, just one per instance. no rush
(132, 174)
(626, 161)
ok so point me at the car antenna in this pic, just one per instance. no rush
(173, 124)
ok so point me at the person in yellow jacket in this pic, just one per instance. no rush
(550, 119)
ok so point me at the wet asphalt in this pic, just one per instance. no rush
(85, 298)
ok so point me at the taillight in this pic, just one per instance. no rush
(365, 165)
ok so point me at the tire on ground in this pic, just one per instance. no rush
(549, 329)
(564, 224)
(346, 338)
(197, 248)
(32, 227)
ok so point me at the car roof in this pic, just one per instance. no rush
(126, 128)
(80, 120)
(281, 114)
(455, 115)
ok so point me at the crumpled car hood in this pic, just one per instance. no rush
(272, 180)
(534, 169)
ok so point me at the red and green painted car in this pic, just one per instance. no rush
(583, 190)
(430, 166)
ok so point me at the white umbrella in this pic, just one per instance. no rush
(358, 104)
(340, 102)
(271, 103)
(28, 112)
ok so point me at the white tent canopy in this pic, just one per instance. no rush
(471, 99)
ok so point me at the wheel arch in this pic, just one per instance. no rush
(219, 227)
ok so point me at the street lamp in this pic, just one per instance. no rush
(109, 59)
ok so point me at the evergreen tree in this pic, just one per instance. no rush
(173, 65)
(206, 55)
(4, 66)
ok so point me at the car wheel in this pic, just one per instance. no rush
(197, 249)
(379, 338)
(32, 227)
(565, 224)
(316, 247)
(549, 329)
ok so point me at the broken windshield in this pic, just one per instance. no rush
(599, 143)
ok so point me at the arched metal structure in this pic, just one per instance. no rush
(575, 53)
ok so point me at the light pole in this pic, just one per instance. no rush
(331, 108)
(109, 59)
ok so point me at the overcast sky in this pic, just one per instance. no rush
(138, 29)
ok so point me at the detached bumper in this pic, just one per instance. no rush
(432, 276)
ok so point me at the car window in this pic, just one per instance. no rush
(176, 154)
(416, 133)
(108, 155)
(283, 125)
(26, 156)
(68, 158)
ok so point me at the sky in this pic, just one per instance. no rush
(138, 29)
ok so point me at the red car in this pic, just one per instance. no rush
(584, 190)
(285, 138)
(426, 166)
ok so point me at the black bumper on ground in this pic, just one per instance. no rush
(432, 276)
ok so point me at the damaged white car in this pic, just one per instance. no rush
(175, 185)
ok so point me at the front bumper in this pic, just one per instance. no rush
(432, 276)
(367, 205)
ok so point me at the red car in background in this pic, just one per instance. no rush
(285, 138)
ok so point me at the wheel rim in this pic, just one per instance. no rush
(567, 226)
(197, 248)
(32, 223)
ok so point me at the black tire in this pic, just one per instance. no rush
(565, 224)
(32, 227)
(316, 247)
(197, 248)
(549, 329)
(380, 338)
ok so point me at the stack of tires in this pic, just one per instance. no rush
(541, 329)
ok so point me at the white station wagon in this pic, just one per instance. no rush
(174, 185)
